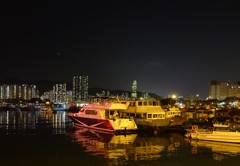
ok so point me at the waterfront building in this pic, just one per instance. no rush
(15, 91)
(221, 90)
(80, 88)
(134, 89)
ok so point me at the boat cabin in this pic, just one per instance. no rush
(173, 112)
(145, 109)
(108, 111)
(222, 127)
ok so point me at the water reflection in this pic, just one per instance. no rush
(29, 121)
(219, 150)
(128, 147)
(51, 138)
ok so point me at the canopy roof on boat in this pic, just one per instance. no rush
(109, 106)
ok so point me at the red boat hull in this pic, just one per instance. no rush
(91, 123)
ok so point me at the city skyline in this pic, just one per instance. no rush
(168, 47)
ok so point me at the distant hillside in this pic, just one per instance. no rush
(47, 85)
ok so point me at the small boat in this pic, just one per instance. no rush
(59, 107)
(171, 113)
(219, 132)
(46, 109)
(104, 117)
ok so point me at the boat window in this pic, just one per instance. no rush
(111, 112)
(91, 112)
(132, 104)
(154, 115)
(138, 115)
(139, 103)
(160, 115)
(107, 114)
(150, 103)
(144, 116)
(131, 114)
(223, 129)
(154, 103)
(145, 103)
(149, 115)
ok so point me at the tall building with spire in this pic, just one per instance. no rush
(80, 88)
(134, 89)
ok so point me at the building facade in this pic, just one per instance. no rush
(60, 92)
(221, 90)
(80, 88)
(15, 91)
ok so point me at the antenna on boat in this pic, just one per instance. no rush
(117, 98)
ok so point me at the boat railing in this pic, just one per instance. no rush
(195, 129)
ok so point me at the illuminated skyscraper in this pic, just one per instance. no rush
(134, 89)
(80, 88)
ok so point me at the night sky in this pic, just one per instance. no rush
(167, 46)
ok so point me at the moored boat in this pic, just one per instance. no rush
(148, 115)
(104, 117)
(46, 109)
(59, 106)
(220, 133)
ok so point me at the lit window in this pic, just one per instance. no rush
(149, 115)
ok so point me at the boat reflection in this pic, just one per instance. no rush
(220, 150)
(105, 144)
(129, 147)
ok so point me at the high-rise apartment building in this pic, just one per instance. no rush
(14, 91)
(48, 95)
(80, 88)
(60, 92)
(221, 90)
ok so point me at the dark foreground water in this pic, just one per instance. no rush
(34, 139)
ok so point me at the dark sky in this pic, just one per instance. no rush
(167, 46)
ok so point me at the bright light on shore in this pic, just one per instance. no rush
(174, 96)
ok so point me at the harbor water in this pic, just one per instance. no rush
(32, 138)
